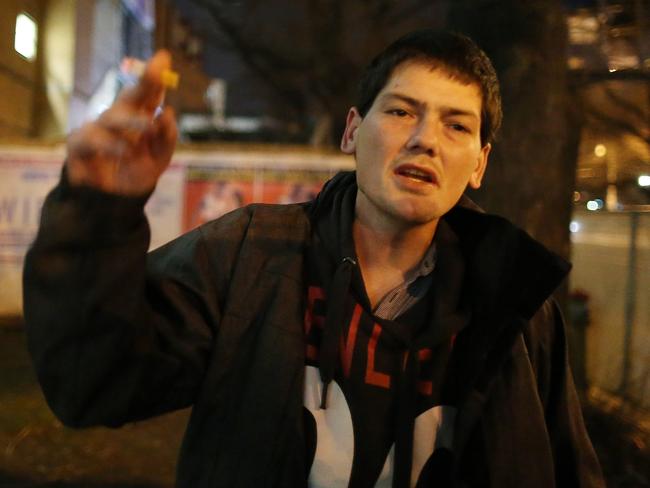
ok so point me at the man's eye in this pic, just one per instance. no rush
(459, 127)
(398, 111)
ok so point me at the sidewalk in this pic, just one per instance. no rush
(37, 451)
(620, 433)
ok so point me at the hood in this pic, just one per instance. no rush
(332, 213)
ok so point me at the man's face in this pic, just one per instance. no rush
(417, 148)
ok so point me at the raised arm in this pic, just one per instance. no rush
(116, 335)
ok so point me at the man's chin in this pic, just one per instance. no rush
(415, 217)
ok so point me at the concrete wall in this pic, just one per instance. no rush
(57, 77)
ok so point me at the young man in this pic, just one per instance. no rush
(384, 334)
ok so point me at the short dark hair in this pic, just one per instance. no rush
(454, 53)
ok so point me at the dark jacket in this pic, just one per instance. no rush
(214, 320)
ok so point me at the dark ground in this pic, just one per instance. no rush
(36, 451)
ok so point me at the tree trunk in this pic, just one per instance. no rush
(531, 174)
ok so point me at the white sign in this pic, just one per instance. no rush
(23, 188)
(25, 180)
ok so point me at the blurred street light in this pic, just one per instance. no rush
(600, 150)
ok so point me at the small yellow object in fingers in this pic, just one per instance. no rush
(170, 79)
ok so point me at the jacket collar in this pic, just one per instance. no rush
(507, 268)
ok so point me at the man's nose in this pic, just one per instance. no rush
(425, 137)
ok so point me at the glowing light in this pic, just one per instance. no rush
(576, 196)
(644, 180)
(596, 204)
(26, 36)
(574, 227)
(600, 150)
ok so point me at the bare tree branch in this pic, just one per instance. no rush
(262, 62)
(633, 109)
(617, 125)
(308, 64)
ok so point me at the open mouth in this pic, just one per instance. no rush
(416, 174)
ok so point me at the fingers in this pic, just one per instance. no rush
(118, 130)
(129, 145)
(117, 119)
(124, 123)
(149, 92)
(91, 141)
(166, 128)
(133, 112)
(163, 135)
(93, 156)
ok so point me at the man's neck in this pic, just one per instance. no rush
(387, 252)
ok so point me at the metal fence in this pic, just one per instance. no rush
(610, 301)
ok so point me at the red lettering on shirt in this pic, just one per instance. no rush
(311, 352)
(347, 346)
(313, 293)
(425, 387)
(375, 377)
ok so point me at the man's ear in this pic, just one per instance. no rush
(481, 164)
(349, 139)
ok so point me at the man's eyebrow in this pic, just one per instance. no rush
(399, 96)
(459, 111)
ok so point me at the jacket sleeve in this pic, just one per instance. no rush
(115, 335)
(575, 460)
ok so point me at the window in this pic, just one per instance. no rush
(26, 36)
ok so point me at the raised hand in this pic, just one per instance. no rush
(128, 147)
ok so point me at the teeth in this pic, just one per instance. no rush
(415, 173)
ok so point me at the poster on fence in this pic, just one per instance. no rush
(291, 186)
(211, 192)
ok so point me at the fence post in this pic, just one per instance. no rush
(630, 304)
